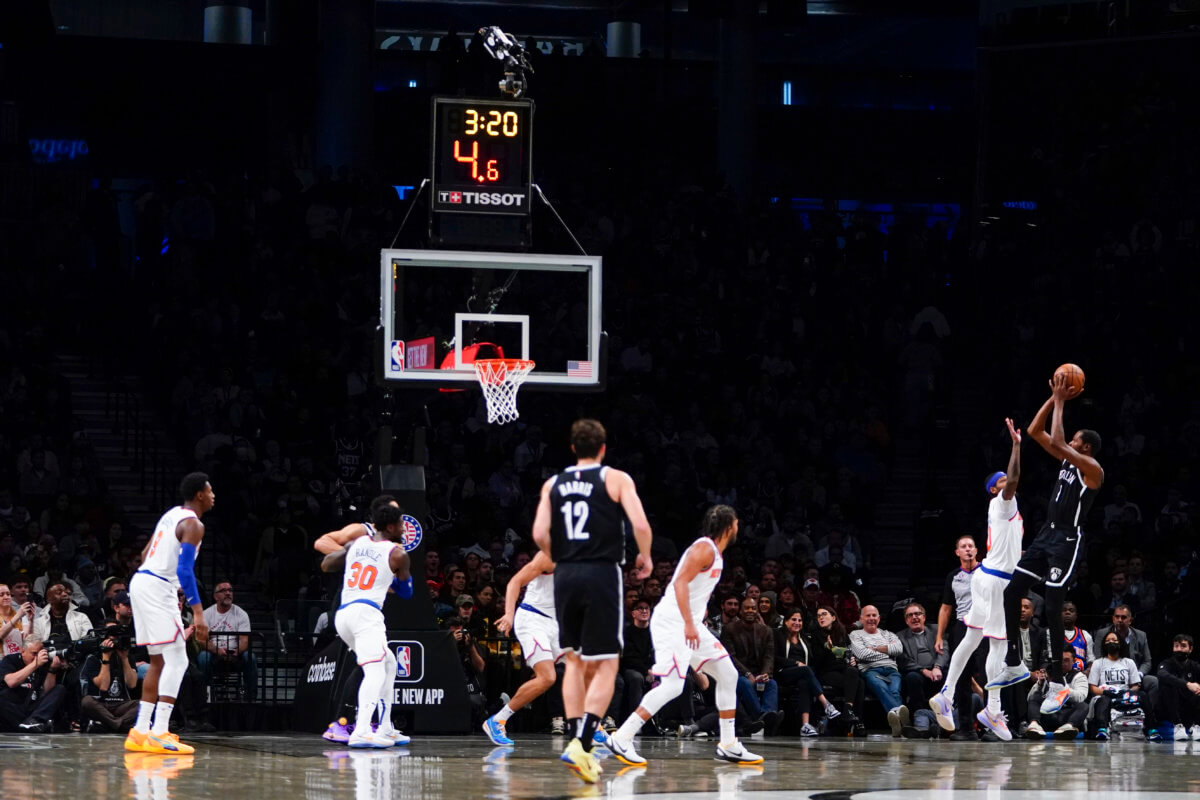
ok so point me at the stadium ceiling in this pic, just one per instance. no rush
(890, 8)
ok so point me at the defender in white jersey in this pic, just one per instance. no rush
(986, 617)
(536, 629)
(681, 640)
(369, 565)
(167, 566)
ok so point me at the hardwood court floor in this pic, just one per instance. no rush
(304, 767)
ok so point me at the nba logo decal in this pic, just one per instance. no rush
(397, 352)
(410, 661)
(412, 533)
(403, 661)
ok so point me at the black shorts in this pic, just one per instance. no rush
(1053, 555)
(588, 603)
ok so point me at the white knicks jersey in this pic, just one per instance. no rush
(368, 573)
(162, 557)
(700, 588)
(1005, 531)
(539, 594)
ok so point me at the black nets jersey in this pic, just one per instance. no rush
(1070, 500)
(585, 523)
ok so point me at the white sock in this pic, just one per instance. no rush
(145, 714)
(993, 705)
(630, 728)
(162, 718)
(504, 714)
(728, 733)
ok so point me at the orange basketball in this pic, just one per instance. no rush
(1074, 375)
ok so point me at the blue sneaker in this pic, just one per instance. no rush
(496, 732)
(1102, 735)
(1153, 735)
(600, 737)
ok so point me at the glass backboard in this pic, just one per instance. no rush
(441, 309)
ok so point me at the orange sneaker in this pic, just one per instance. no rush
(135, 742)
(167, 744)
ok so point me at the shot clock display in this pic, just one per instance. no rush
(481, 155)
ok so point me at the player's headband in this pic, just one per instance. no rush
(991, 481)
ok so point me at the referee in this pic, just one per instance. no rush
(580, 524)
(956, 602)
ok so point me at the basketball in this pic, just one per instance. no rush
(1074, 375)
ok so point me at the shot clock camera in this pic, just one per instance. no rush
(503, 47)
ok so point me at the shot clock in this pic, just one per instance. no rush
(482, 157)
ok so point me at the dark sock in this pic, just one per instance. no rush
(588, 730)
(573, 728)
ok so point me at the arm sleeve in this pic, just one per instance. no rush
(187, 578)
(403, 588)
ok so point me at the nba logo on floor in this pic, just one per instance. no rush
(403, 661)
(397, 352)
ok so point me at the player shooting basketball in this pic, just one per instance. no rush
(1054, 553)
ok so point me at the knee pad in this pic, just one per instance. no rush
(726, 676)
(175, 665)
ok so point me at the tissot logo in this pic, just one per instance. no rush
(508, 199)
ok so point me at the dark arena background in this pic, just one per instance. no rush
(799, 258)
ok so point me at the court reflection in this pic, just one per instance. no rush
(151, 774)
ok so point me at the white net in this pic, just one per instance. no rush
(500, 379)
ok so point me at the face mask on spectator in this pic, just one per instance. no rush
(1111, 648)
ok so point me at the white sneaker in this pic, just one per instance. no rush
(391, 733)
(808, 730)
(896, 719)
(1196, 733)
(1056, 698)
(831, 712)
(369, 739)
(996, 724)
(625, 752)
(737, 754)
(558, 725)
(943, 709)
(1035, 731)
(1181, 734)
(1009, 676)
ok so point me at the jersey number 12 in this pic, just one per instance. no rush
(575, 516)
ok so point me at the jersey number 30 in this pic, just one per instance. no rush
(361, 578)
(575, 517)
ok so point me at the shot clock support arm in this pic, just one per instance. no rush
(554, 211)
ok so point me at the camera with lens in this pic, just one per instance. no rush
(75, 651)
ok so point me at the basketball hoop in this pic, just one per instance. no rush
(500, 379)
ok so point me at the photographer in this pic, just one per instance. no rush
(31, 695)
(110, 681)
(57, 624)
(473, 665)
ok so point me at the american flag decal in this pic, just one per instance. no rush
(579, 369)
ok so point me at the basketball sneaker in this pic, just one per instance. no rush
(1034, 730)
(1009, 676)
(625, 752)
(1102, 735)
(600, 737)
(135, 742)
(1056, 698)
(943, 709)
(581, 762)
(1196, 733)
(736, 753)
(364, 739)
(390, 732)
(558, 726)
(808, 730)
(167, 743)
(338, 731)
(496, 731)
(997, 724)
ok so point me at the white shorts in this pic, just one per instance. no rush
(671, 651)
(987, 605)
(362, 628)
(156, 620)
(538, 636)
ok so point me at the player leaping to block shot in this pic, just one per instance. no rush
(360, 624)
(168, 564)
(1054, 553)
(536, 628)
(681, 640)
(986, 617)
